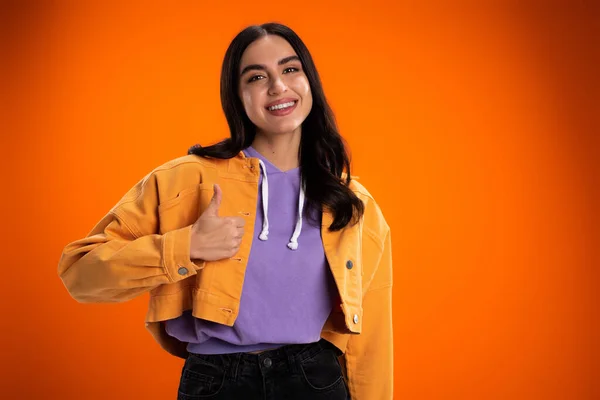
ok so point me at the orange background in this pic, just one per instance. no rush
(470, 122)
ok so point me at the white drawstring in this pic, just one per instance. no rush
(293, 244)
(264, 234)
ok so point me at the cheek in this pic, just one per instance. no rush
(252, 102)
(302, 87)
(248, 100)
(304, 91)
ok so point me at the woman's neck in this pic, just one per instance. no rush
(280, 150)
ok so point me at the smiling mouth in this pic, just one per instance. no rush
(282, 106)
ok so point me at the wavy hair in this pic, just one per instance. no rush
(322, 155)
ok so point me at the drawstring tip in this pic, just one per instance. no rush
(293, 245)
(264, 235)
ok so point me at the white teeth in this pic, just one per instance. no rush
(282, 106)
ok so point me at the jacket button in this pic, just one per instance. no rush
(355, 319)
(182, 271)
(349, 264)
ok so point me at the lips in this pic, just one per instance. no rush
(281, 101)
(284, 111)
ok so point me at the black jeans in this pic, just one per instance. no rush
(292, 372)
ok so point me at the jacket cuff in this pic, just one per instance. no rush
(176, 255)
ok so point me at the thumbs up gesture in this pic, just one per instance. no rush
(215, 238)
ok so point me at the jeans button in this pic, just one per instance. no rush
(267, 362)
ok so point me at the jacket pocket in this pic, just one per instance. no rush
(185, 208)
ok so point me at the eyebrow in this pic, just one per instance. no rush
(261, 67)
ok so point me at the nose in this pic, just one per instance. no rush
(277, 86)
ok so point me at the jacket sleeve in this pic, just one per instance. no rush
(370, 355)
(124, 256)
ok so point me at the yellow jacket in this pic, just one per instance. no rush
(143, 245)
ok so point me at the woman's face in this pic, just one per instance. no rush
(273, 87)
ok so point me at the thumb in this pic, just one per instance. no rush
(213, 207)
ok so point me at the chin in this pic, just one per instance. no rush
(281, 129)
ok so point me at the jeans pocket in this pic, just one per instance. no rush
(202, 377)
(322, 372)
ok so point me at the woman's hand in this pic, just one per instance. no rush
(213, 237)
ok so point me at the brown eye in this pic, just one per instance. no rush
(290, 69)
(255, 78)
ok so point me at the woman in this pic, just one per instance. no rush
(269, 268)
